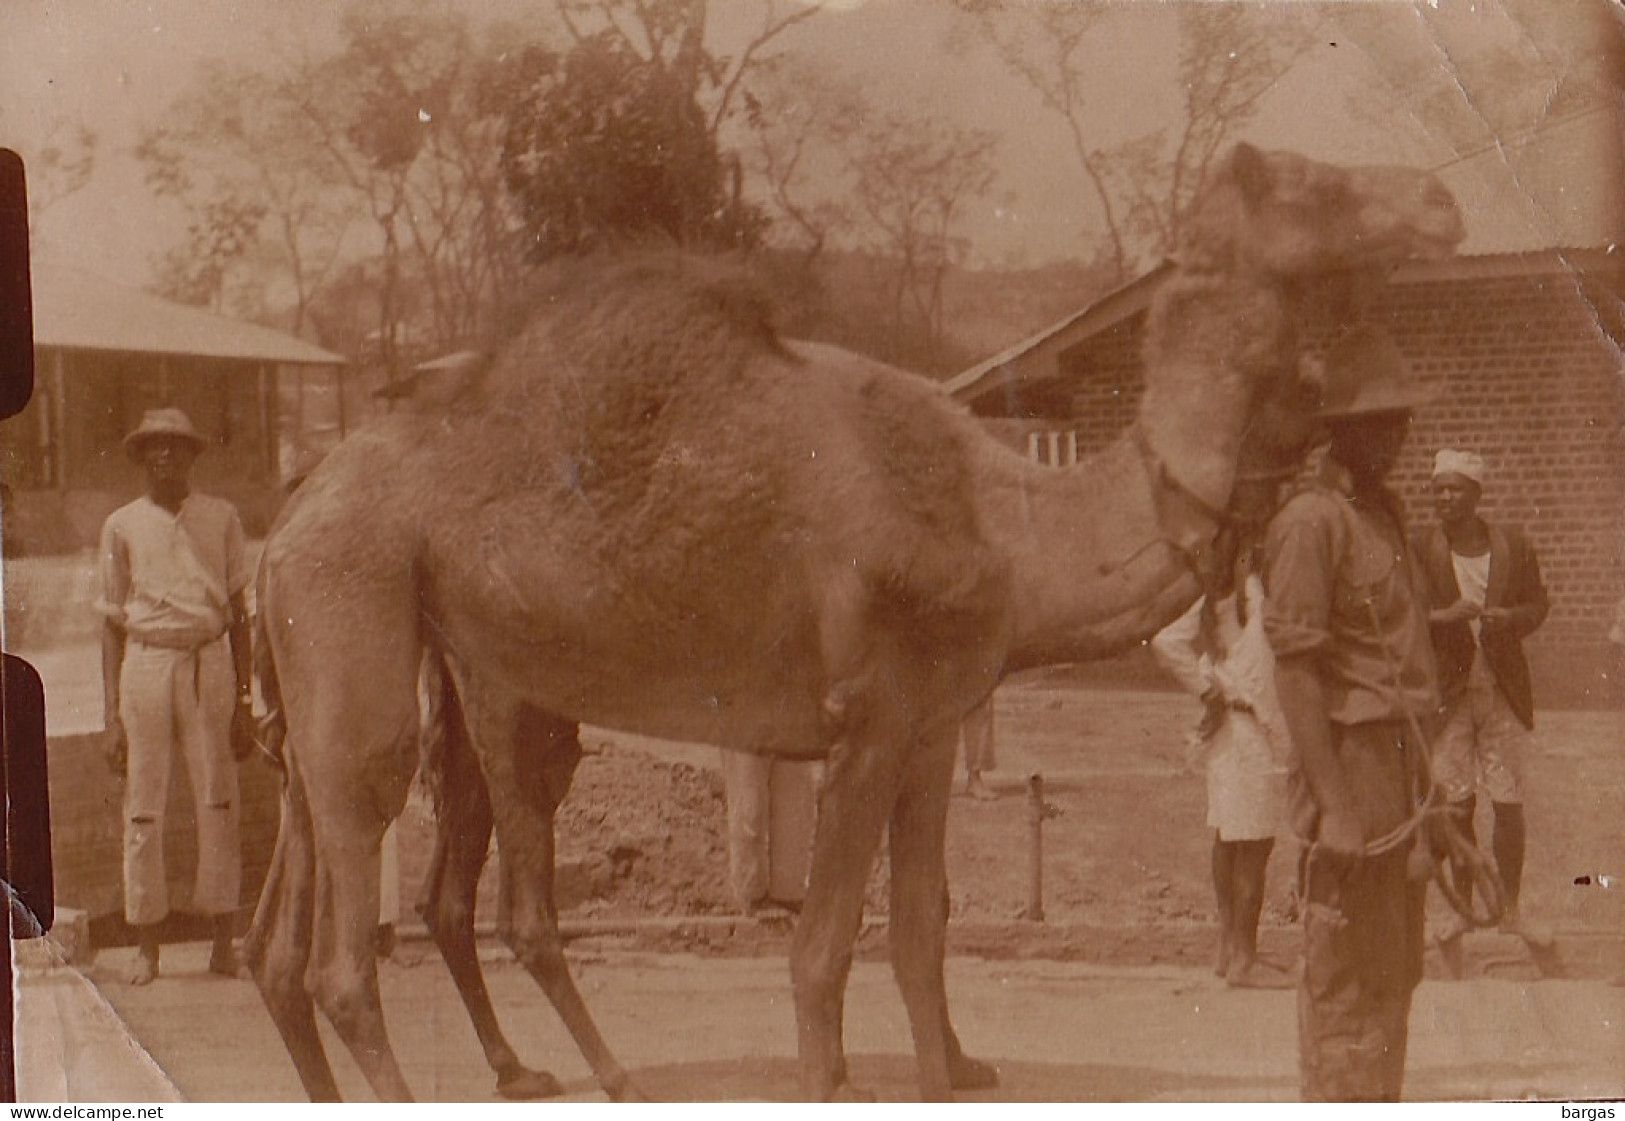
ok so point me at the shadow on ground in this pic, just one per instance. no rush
(891, 1078)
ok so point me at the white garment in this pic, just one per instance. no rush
(1473, 578)
(167, 579)
(771, 814)
(167, 582)
(179, 702)
(1246, 757)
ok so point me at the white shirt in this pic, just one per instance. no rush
(1473, 578)
(168, 579)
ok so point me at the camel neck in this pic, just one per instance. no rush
(1092, 567)
(1210, 340)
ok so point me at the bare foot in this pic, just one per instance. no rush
(223, 960)
(966, 1073)
(145, 971)
(1536, 934)
(1258, 975)
(1449, 938)
(980, 790)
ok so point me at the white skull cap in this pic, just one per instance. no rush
(1469, 465)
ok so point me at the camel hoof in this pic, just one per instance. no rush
(523, 1085)
(629, 1092)
(966, 1073)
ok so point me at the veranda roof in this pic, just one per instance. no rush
(76, 309)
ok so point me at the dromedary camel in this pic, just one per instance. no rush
(649, 512)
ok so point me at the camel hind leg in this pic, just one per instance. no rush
(342, 975)
(528, 757)
(277, 946)
(353, 741)
(463, 823)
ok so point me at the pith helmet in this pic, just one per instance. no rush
(1366, 373)
(162, 422)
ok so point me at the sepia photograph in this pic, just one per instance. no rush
(817, 550)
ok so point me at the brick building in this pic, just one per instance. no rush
(1519, 337)
(1521, 351)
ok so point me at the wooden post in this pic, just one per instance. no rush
(1035, 851)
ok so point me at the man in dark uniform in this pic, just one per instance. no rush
(1346, 614)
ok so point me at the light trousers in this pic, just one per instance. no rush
(179, 702)
(772, 806)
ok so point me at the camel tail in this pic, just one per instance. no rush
(440, 719)
(272, 731)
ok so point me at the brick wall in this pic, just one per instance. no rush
(1524, 377)
(1523, 372)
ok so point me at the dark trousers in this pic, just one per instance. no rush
(1363, 936)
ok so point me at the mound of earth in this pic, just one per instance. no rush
(650, 834)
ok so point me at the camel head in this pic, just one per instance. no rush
(1282, 214)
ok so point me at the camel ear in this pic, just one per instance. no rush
(1251, 170)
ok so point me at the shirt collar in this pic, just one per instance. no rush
(147, 498)
(1337, 478)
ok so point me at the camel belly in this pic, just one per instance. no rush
(714, 680)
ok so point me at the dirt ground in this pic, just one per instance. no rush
(1109, 998)
(1124, 846)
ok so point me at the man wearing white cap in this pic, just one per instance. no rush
(1486, 595)
(176, 679)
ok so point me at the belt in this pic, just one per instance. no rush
(173, 642)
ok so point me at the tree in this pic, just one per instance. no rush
(1228, 60)
(605, 144)
(621, 135)
(800, 121)
(62, 166)
(1230, 55)
(222, 232)
(235, 156)
(369, 108)
(913, 178)
(1046, 45)
(386, 147)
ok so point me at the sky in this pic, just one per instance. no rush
(116, 65)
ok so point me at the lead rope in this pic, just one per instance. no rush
(1449, 846)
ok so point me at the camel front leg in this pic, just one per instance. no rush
(462, 839)
(860, 782)
(919, 919)
(528, 757)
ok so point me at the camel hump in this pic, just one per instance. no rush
(664, 315)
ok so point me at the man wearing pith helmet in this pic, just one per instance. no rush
(1486, 595)
(176, 679)
(1346, 614)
